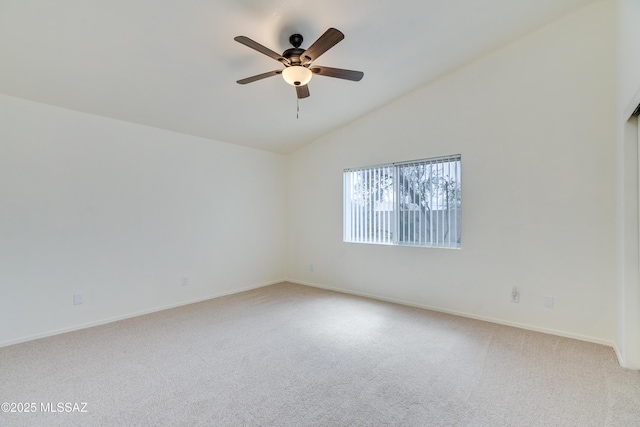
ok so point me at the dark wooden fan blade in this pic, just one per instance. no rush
(259, 77)
(302, 91)
(325, 42)
(257, 46)
(339, 73)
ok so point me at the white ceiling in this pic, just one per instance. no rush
(173, 64)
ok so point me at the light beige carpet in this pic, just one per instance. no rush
(289, 355)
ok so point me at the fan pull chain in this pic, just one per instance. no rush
(297, 108)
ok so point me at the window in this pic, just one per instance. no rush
(415, 203)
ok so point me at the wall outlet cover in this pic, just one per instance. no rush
(515, 295)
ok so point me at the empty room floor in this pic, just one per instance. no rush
(291, 355)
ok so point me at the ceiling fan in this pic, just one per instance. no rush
(297, 61)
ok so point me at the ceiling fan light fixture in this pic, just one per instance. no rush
(297, 75)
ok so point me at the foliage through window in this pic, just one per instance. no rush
(415, 203)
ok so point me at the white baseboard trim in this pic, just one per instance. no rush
(130, 315)
(618, 355)
(467, 315)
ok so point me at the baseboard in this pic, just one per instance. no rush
(135, 314)
(316, 285)
(618, 355)
(467, 315)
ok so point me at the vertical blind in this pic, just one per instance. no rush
(368, 199)
(416, 203)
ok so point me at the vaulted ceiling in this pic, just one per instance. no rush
(173, 64)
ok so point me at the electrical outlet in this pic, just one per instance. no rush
(185, 281)
(311, 267)
(515, 295)
(548, 302)
(77, 299)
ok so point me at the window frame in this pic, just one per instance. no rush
(377, 204)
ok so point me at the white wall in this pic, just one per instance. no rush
(627, 99)
(627, 48)
(120, 213)
(534, 124)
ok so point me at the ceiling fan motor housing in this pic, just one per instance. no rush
(293, 55)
